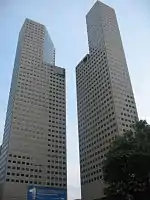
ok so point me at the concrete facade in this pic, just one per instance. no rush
(105, 100)
(34, 142)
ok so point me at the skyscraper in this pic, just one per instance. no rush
(105, 100)
(33, 155)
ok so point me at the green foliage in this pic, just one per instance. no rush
(127, 165)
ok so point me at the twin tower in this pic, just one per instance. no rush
(33, 163)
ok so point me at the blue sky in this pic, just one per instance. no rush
(65, 21)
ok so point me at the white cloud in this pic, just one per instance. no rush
(73, 192)
(73, 162)
(143, 96)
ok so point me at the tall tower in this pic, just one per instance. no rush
(105, 100)
(33, 155)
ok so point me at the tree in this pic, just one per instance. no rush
(127, 164)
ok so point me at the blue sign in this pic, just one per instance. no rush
(46, 193)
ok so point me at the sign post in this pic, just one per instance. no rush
(46, 193)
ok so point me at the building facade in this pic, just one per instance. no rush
(34, 143)
(105, 100)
